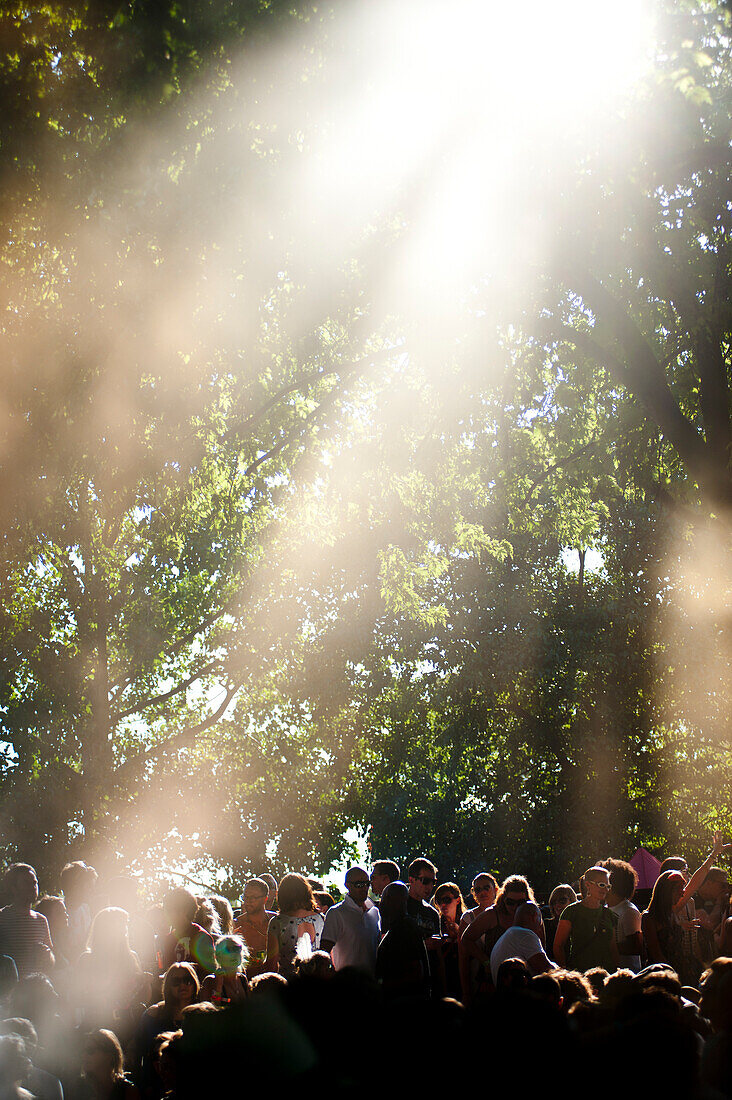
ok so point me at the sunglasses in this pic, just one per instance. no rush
(254, 897)
(445, 900)
(426, 881)
(363, 883)
(483, 889)
(515, 901)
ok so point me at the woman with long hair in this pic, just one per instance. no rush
(107, 984)
(180, 989)
(298, 918)
(103, 1067)
(481, 936)
(560, 897)
(483, 891)
(669, 935)
(449, 903)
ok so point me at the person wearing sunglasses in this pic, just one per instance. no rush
(585, 935)
(352, 928)
(481, 936)
(484, 892)
(422, 876)
(450, 905)
(253, 922)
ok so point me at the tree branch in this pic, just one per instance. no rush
(135, 765)
(153, 700)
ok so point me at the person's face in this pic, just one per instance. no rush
(514, 977)
(228, 960)
(97, 1064)
(357, 885)
(512, 899)
(597, 886)
(379, 882)
(484, 892)
(183, 990)
(25, 888)
(560, 904)
(423, 885)
(447, 904)
(254, 900)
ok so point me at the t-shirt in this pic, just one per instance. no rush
(355, 932)
(515, 943)
(628, 923)
(424, 916)
(590, 940)
(21, 933)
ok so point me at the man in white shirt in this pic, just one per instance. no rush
(623, 881)
(521, 941)
(353, 927)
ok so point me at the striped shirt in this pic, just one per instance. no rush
(21, 931)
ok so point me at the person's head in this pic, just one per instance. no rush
(254, 897)
(675, 863)
(272, 886)
(21, 884)
(514, 891)
(267, 985)
(547, 988)
(14, 1062)
(623, 879)
(207, 917)
(180, 985)
(484, 889)
(224, 912)
(78, 881)
(595, 884)
(319, 965)
(35, 999)
(449, 901)
(422, 878)
(180, 907)
(357, 884)
(667, 891)
(528, 916)
(512, 975)
(715, 885)
(295, 893)
(323, 900)
(103, 1060)
(231, 954)
(716, 994)
(560, 897)
(383, 872)
(55, 912)
(108, 935)
(15, 1025)
(393, 905)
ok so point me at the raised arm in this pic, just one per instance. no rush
(700, 874)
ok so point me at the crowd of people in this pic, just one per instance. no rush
(404, 980)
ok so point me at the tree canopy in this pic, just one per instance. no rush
(365, 456)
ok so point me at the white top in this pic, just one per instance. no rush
(515, 943)
(355, 933)
(629, 922)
